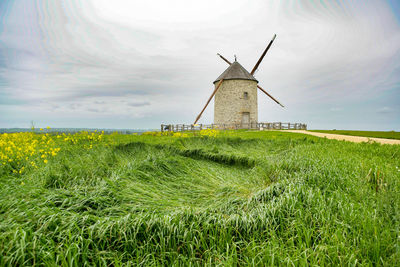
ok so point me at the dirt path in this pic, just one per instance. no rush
(356, 139)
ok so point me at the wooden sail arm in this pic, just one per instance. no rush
(265, 92)
(259, 87)
(224, 59)
(262, 56)
(209, 99)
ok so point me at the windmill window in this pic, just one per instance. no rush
(246, 95)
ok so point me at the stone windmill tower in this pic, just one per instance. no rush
(236, 100)
(236, 95)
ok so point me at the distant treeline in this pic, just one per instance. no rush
(72, 130)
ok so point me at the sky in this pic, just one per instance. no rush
(136, 64)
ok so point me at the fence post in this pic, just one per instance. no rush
(162, 127)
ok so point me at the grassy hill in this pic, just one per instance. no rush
(248, 198)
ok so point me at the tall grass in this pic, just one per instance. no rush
(247, 198)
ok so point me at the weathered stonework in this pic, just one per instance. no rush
(230, 101)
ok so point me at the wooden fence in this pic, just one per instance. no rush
(254, 126)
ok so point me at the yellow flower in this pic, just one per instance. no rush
(45, 161)
(48, 127)
(41, 129)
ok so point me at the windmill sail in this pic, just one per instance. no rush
(259, 87)
(265, 92)
(224, 59)
(262, 56)
(209, 99)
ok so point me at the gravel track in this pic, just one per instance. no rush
(356, 139)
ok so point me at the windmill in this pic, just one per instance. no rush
(236, 94)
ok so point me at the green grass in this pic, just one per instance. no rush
(247, 198)
(377, 134)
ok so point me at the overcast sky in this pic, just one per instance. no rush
(137, 64)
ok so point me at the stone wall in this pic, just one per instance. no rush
(230, 102)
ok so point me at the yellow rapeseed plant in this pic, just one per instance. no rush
(205, 132)
(209, 132)
(21, 150)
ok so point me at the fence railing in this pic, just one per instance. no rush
(254, 126)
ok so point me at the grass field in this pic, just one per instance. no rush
(377, 134)
(247, 198)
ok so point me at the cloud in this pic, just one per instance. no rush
(336, 109)
(94, 110)
(83, 58)
(385, 110)
(138, 104)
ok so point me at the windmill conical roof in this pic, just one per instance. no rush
(236, 72)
